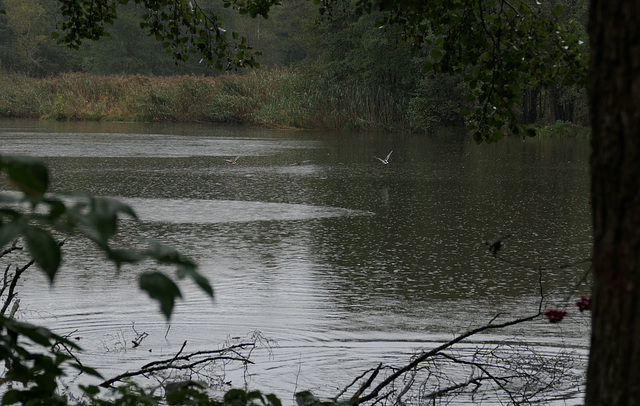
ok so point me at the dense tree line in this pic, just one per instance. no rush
(338, 46)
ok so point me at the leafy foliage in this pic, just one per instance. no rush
(37, 371)
(34, 356)
(39, 217)
(183, 27)
(499, 48)
(512, 56)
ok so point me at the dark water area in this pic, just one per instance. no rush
(341, 261)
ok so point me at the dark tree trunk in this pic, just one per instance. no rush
(561, 110)
(613, 378)
(530, 105)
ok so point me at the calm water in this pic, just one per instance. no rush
(341, 262)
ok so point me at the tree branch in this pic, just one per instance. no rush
(171, 363)
(413, 364)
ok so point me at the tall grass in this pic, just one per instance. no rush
(279, 97)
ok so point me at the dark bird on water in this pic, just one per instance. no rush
(494, 246)
(386, 160)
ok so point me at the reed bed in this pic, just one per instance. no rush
(278, 97)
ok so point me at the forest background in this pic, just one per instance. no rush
(316, 71)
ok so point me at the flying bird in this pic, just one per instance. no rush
(384, 161)
(232, 161)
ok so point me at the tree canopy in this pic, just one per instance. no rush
(500, 48)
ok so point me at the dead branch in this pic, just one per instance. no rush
(187, 362)
(429, 354)
(484, 370)
(139, 336)
(14, 247)
(11, 294)
(441, 392)
(367, 383)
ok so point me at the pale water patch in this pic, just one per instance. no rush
(227, 211)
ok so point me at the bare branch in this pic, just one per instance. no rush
(426, 355)
(186, 362)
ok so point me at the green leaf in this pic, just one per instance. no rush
(87, 370)
(273, 400)
(200, 280)
(44, 250)
(11, 397)
(168, 255)
(159, 287)
(122, 256)
(28, 174)
(11, 230)
(557, 10)
(104, 215)
(90, 390)
(56, 208)
(37, 334)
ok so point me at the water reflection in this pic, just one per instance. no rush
(341, 261)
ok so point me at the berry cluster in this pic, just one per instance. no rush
(555, 315)
(584, 303)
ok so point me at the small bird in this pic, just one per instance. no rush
(494, 246)
(384, 161)
(300, 163)
(232, 161)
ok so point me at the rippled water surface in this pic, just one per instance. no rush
(340, 262)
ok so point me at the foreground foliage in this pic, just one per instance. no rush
(35, 359)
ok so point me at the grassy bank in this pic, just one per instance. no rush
(564, 130)
(282, 98)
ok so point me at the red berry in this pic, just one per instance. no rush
(555, 315)
(584, 303)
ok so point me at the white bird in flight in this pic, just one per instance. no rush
(384, 161)
(232, 161)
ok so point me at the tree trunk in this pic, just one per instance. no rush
(560, 110)
(530, 104)
(613, 376)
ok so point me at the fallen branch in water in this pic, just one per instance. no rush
(187, 362)
(429, 354)
(513, 370)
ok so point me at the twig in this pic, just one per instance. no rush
(139, 336)
(486, 372)
(367, 383)
(437, 350)
(170, 364)
(13, 247)
(475, 381)
(19, 271)
(12, 287)
(356, 379)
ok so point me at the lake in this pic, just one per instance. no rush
(334, 261)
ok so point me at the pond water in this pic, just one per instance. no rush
(338, 261)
